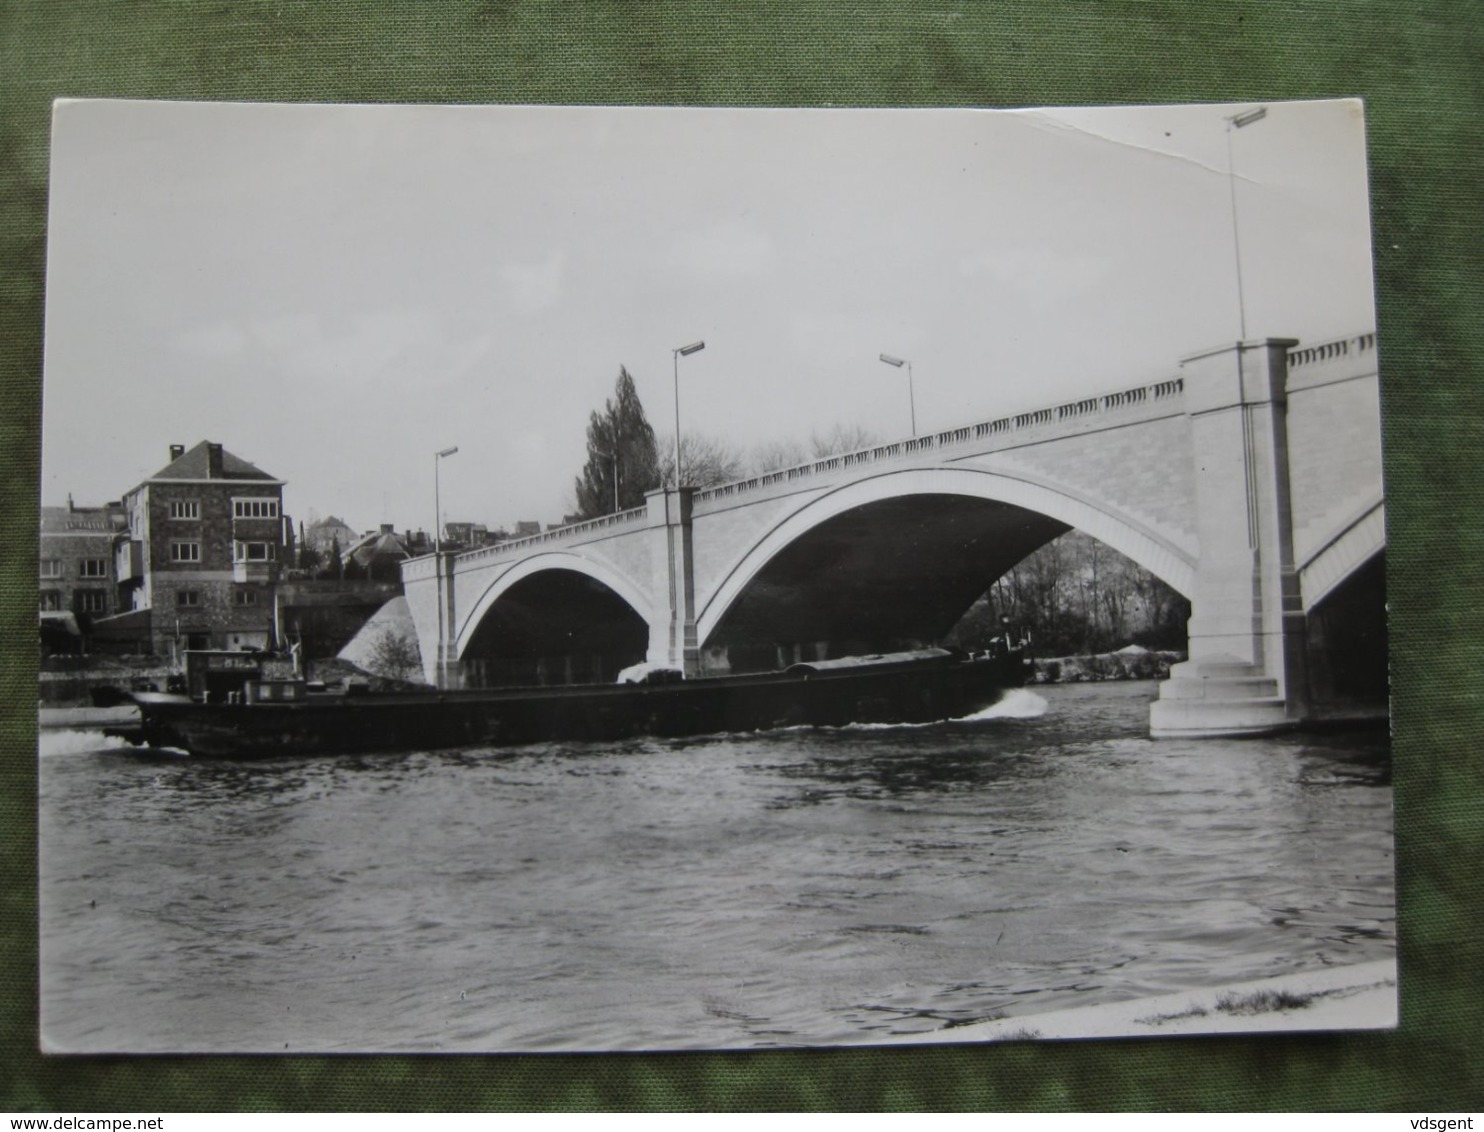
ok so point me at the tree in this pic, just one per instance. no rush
(334, 567)
(705, 461)
(841, 438)
(620, 443)
(308, 557)
(1080, 596)
(395, 656)
(772, 455)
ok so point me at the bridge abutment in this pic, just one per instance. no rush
(1247, 668)
(673, 640)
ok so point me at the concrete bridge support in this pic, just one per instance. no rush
(446, 670)
(1247, 668)
(672, 628)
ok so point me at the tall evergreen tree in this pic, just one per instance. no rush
(619, 440)
(335, 566)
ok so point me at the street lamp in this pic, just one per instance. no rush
(437, 502)
(1237, 122)
(676, 354)
(438, 458)
(911, 396)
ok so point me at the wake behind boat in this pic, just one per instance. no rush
(231, 712)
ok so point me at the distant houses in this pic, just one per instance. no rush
(378, 556)
(327, 535)
(200, 555)
(78, 578)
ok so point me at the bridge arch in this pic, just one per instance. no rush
(1172, 563)
(1348, 548)
(615, 580)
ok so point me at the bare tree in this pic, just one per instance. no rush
(771, 455)
(790, 453)
(395, 656)
(841, 438)
(705, 461)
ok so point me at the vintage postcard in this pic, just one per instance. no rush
(583, 579)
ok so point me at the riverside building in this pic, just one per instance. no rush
(199, 565)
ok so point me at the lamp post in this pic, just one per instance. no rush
(438, 458)
(911, 396)
(676, 354)
(1233, 123)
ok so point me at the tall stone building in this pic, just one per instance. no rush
(205, 547)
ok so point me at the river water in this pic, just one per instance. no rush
(798, 887)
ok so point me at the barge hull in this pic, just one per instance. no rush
(909, 693)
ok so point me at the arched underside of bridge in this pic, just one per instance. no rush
(552, 626)
(1347, 642)
(895, 560)
(889, 574)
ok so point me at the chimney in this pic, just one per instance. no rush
(214, 461)
(176, 452)
(70, 507)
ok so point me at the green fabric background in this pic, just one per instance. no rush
(1420, 68)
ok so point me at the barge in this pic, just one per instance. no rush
(260, 718)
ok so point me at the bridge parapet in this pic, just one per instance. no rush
(1355, 346)
(570, 532)
(1341, 360)
(422, 569)
(1001, 432)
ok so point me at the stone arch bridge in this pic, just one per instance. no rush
(1249, 481)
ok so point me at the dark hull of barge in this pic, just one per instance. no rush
(913, 692)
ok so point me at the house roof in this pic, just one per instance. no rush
(86, 520)
(378, 544)
(329, 521)
(195, 465)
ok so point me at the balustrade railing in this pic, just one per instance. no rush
(587, 526)
(1091, 406)
(1330, 351)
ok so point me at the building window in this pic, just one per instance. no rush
(247, 597)
(51, 567)
(93, 568)
(91, 601)
(187, 597)
(255, 508)
(185, 552)
(252, 551)
(51, 601)
(185, 509)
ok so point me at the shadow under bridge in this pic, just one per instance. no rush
(891, 574)
(554, 627)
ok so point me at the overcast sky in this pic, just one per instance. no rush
(335, 293)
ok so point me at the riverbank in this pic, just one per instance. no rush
(1130, 663)
(1359, 997)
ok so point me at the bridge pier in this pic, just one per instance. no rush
(1247, 669)
(672, 629)
(446, 670)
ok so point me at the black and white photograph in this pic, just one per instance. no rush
(580, 579)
